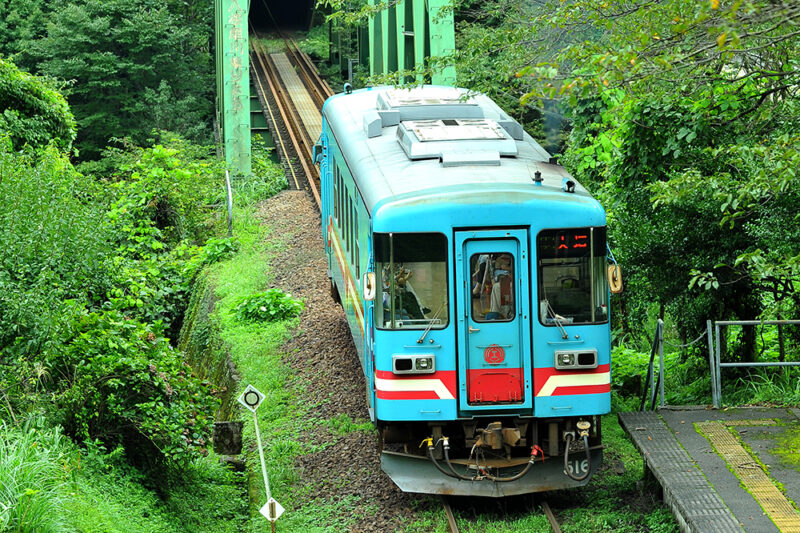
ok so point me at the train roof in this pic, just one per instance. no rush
(440, 144)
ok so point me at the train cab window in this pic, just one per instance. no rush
(492, 278)
(573, 288)
(412, 271)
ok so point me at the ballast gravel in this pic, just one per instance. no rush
(345, 469)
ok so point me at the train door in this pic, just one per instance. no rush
(492, 280)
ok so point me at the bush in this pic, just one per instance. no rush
(162, 195)
(122, 383)
(53, 247)
(217, 250)
(32, 111)
(268, 306)
(93, 276)
(268, 177)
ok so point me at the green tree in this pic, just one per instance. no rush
(683, 122)
(133, 66)
(20, 22)
(685, 116)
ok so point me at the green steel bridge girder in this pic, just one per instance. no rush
(233, 82)
(400, 37)
(404, 34)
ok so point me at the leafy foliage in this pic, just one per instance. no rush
(32, 111)
(134, 67)
(121, 382)
(268, 306)
(21, 21)
(217, 250)
(268, 179)
(53, 248)
(94, 275)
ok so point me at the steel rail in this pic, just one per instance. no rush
(318, 88)
(276, 132)
(297, 133)
(551, 517)
(451, 519)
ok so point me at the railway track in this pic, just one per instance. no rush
(296, 144)
(453, 525)
(318, 88)
(292, 136)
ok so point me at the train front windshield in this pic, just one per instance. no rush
(573, 288)
(412, 273)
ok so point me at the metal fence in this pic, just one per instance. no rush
(715, 352)
(654, 385)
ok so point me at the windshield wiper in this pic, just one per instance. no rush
(430, 324)
(557, 319)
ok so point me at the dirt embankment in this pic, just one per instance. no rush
(324, 360)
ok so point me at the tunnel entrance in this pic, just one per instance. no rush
(265, 15)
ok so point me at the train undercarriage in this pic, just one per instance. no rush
(493, 457)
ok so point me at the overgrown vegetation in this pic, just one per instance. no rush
(268, 306)
(95, 272)
(48, 485)
(96, 267)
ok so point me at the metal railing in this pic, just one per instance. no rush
(658, 346)
(715, 349)
(655, 387)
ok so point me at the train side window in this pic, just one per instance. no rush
(341, 203)
(344, 216)
(335, 191)
(350, 226)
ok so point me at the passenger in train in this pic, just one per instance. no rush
(501, 305)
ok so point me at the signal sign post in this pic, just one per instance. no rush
(251, 399)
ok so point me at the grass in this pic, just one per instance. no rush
(763, 386)
(255, 349)
(48, 484)
(208, 498)
(271, 46)
(788, 446)
(344, 425)
(283, 417)
(31, 481)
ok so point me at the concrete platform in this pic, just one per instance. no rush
(718, 468)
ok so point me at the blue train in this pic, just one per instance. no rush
(473, 271)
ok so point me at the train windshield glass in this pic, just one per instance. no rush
(412, 271)
(573, 288)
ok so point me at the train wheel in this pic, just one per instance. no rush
(335, 293)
